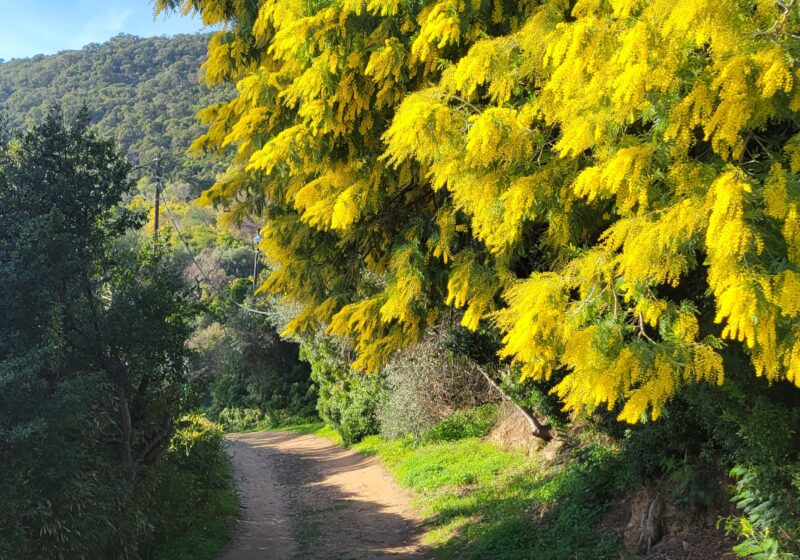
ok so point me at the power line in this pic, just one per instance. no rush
(197, 264)
(157, 161)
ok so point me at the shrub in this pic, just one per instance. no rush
(184, 488)
(749, 430)
(61, 490)
(424, 385)
(348, 400)
(59, 483)
(253, 419)
(241, 419)
(767, 488)
(469, 423)
(357, 408)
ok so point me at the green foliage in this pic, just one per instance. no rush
(468, 423)
(193, 500)
(256, 420)
(208, 535)
(142, 93)
(59, 482)
(748, 428)
(241, 419)
(256, 370)
(93, 359)
(767, 474)
(348, 401)
(424, 385)
(239, 362)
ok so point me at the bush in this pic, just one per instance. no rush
(241, 419)
(60, 486)
(357, 408)
(767, 488)
(62, 494)
(424, 385)
(481, 347)
(348, 400)
(253, 419)
(184, 488)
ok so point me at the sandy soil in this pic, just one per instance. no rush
(305, 498)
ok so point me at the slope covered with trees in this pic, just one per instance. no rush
(141, 93)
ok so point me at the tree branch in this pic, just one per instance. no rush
(540, 430)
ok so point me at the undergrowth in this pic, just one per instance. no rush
(197, 495)
(209, 533)
(482, 502)
(245, 420)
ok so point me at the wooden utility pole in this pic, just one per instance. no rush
(157, 205)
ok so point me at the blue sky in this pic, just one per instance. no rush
(29, 27)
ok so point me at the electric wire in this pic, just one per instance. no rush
(197, 264)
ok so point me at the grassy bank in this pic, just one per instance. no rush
(483, 502)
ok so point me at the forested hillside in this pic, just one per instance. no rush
(141, 93)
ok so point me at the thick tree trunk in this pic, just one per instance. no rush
(539, 429)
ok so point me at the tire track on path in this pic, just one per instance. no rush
(306, 498)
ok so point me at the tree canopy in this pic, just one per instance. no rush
(594, 178)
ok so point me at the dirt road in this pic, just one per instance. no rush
(305, 498)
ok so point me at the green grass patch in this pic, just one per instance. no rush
(209, 533)
(482, 502)
(318, 429)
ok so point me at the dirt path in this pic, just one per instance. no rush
(305, 498)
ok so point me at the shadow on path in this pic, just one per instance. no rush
(305, 498)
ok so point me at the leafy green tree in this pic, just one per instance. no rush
(92, 346)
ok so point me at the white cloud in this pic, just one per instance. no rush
(100, 27)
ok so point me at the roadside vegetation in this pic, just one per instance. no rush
(585, 213)
(98, 458)
(206, 522)
(480, 501)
